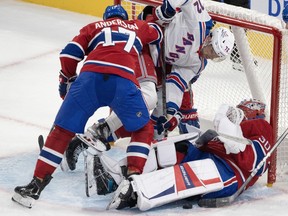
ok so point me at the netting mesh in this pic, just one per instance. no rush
(248, 73)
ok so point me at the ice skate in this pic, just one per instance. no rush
(71, 155)
(26, 195)
(124, 196)
(96, 136)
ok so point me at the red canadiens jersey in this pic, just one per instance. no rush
(112, 46)
(259, 132)
(146, 67)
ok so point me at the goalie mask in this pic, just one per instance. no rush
(115, 11)
(253, 109)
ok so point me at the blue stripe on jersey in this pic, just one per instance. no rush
(259, 154)
(73, 50)
(138, 149)
(172, 105)
(108, 64)
(176, 79)
(51, 157)
(160, 34)
(202, 37)
(116, 38)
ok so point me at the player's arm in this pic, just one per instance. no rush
(154, 35)
(70, 56)
(195, 11)
(260, 132)
(75, 51)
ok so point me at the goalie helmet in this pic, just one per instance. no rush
(115, 11)
(222, 40)
(253, 109)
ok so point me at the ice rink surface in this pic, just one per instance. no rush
(31, 38)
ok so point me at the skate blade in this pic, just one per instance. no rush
(24, 201)
(93, 143)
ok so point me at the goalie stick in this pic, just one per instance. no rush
(224, 201)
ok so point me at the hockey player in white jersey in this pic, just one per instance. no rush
(189, 42)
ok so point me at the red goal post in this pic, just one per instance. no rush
(257, 68)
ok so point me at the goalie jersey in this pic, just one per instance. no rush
(243, 163)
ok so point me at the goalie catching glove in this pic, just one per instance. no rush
(65, 83)
(170, 122)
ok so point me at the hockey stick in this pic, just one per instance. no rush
(164, 73)
(224, 201)
(41, 141)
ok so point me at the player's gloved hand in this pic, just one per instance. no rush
(189, 120)
(285, 14)
(65, 83)
(170, 122)
(164, 13)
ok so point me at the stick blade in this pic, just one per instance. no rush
(41, 142)
(216, 202)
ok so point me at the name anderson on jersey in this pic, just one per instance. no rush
(108, 23)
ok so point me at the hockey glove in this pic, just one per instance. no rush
(189, 120)
(65, 83)
(170, 122)
(164, 13)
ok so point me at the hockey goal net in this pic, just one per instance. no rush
(257, 68)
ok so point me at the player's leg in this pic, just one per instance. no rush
(71, 119)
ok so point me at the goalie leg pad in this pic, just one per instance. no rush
(176, 183)
(166, 153)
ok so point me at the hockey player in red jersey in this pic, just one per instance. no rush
(229, 154)
(111, 128)
(107, 78)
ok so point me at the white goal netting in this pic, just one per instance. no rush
(257, 68)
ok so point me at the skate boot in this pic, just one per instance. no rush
(26, 195)
(98, 180)
(75, 147)
(97, 136)
(124, 196)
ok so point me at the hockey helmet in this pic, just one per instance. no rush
(222, 40)
(253, 109)
(148, 10)
(115, 11)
